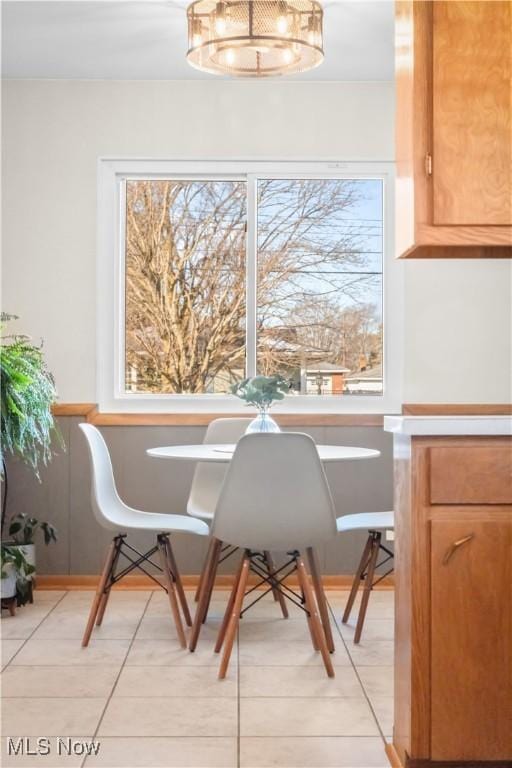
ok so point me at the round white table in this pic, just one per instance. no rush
(224, 452)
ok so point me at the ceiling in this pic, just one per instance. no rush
(146, 40)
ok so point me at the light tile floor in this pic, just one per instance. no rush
(151, 704)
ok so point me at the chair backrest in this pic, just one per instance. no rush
(208, 477)
(107, 506)
(275, 495)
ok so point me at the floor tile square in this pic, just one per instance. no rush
(181, 682)
(320, 752)
(170, 717)
(182, 752)
(281, 642)
(9, 648)
(27, 619)
(51, 716)
(377, 681)
(62, 681)
(45, 652)
(298, 681)
(372, 653)
(306, 717)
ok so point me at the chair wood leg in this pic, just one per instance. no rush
(320, 597)
(171, 591)
(316, 624)
(363, 563)
(370, 572)
(108, 588)
(204, 596)
(229, 609)
(235, 616)
(179, 584)
(100, 590)
(278, 595)
(217, 551)
(203, 570)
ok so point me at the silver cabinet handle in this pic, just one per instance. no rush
(456, 544)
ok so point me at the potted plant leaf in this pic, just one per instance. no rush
(262, 391)
(22, 530)
(16, 573)
(27, 427)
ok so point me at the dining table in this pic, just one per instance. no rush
(223, 453)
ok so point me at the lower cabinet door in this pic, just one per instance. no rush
(471, 661)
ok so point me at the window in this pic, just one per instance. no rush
(226, 270)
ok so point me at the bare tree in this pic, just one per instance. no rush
(185, 277)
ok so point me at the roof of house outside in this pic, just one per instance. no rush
(369, 373)
(326, 368)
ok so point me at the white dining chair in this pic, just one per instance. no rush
(374, 523)
(275, 497)
(204, 494)
(112, 513)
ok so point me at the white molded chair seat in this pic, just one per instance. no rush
(366, 521)
(112, 513)
(208, 477)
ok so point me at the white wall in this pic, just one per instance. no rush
(458, 313)
(458, 334)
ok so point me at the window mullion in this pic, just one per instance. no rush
(251, 274)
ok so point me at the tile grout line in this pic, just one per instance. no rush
(25, 641)
(357, 674)
(109, 698)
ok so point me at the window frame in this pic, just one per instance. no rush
(110, 329)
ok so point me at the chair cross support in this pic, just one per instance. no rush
(172, 586)
(273, 580)
(308, 603)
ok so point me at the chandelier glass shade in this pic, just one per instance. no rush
(254, 38)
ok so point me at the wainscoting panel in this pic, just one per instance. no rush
(63, 496)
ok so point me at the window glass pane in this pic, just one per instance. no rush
(319, 311)
(185, 285)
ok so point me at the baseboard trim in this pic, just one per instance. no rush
(132, 581)
(393, 757)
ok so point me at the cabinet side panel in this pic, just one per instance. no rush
(472, 71)
(403, 597)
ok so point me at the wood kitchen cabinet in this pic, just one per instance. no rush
(454, 128)
(453, 556)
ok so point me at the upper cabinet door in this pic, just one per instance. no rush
(472, 93)
(454, 128)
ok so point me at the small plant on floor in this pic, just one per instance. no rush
(22, 530)
(16, 572)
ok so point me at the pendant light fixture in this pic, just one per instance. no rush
(255, 39)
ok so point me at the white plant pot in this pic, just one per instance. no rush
(8, 582)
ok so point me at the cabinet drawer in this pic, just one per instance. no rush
(471, 474)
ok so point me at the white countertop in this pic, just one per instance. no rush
(449, 425)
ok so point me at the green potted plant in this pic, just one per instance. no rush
(22, 530)
(262, 392)
(16, 573)
(27, 425)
